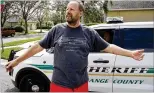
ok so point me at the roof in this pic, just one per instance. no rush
(125, 24)
(131, 5)
(15, 19)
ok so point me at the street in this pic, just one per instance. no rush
(5, 82)
(21, 37)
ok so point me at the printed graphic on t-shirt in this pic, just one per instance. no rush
(72, 43)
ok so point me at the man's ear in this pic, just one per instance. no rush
(81, 14)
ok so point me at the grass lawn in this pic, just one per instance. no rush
(30, 32)
(33, 32)
(19, 42)
(6, 53)
(23, 33)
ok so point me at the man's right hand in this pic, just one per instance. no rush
(30, 52)
(10, 65)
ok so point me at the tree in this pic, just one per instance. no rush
(92, 12)
(9, 9)
(105, 9)
(27, 11)
(48, 14)
(59, 6)
(95, 10)
(55, 17)
(40, 13)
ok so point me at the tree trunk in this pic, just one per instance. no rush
(40, 27)
(26, 27)
(105, 17)
(3, 21)
(2, 24)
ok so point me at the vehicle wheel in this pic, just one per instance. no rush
(33, 83)
(12, 35)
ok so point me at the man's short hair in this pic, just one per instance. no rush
(81, 6)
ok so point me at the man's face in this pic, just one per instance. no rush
(73, 13)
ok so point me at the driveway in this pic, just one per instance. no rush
(5, 82)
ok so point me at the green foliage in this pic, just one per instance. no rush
(59, 6)
(19, 28)
(6, 53)
(19, 42)
(94, 11)
(44, 27)
(89, 24)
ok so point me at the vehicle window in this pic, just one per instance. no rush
(106, 34)
(110, 35)
(135, 38)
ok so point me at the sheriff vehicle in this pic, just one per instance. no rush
(107, 72)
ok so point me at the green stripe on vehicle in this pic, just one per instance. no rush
(2, 2)
(151, 70)
(45, 67)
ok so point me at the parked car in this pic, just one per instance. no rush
(8, 32)
(107, 72)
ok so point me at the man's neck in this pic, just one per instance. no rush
(74, 25)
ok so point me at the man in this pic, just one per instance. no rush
(72, 43)
(107, 36)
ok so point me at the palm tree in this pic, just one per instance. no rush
(105, 8)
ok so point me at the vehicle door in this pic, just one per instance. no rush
(100, 66)
(129, 74)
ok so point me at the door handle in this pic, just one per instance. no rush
(101, 61)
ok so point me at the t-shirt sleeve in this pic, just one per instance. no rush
(99, 43)
(48, 40)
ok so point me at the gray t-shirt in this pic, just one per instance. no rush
(71, 49)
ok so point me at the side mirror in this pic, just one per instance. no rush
(11, 56)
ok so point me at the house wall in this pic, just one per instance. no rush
(8, 24)
(31, 25)
(133, 15)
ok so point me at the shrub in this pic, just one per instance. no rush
(89, 24)
(44, 27)
(19, 28)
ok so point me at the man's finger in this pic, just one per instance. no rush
(8, 67)
(140, 59)
(142, 56)
(141, 51)
(6, 64)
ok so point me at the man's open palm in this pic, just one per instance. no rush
(138, 54)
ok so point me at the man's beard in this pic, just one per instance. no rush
(71, 21)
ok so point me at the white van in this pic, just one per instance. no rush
(107, 72)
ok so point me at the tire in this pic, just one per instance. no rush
(33, 83)
(12, 35)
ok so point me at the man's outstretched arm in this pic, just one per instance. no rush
(136, 54)
(30, 52)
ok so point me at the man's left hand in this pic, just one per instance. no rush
(138, 54)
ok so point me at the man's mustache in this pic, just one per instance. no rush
(68, 14)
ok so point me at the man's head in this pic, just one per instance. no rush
(74, 11)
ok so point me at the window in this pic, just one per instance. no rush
(136, 38)
(106, 34)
